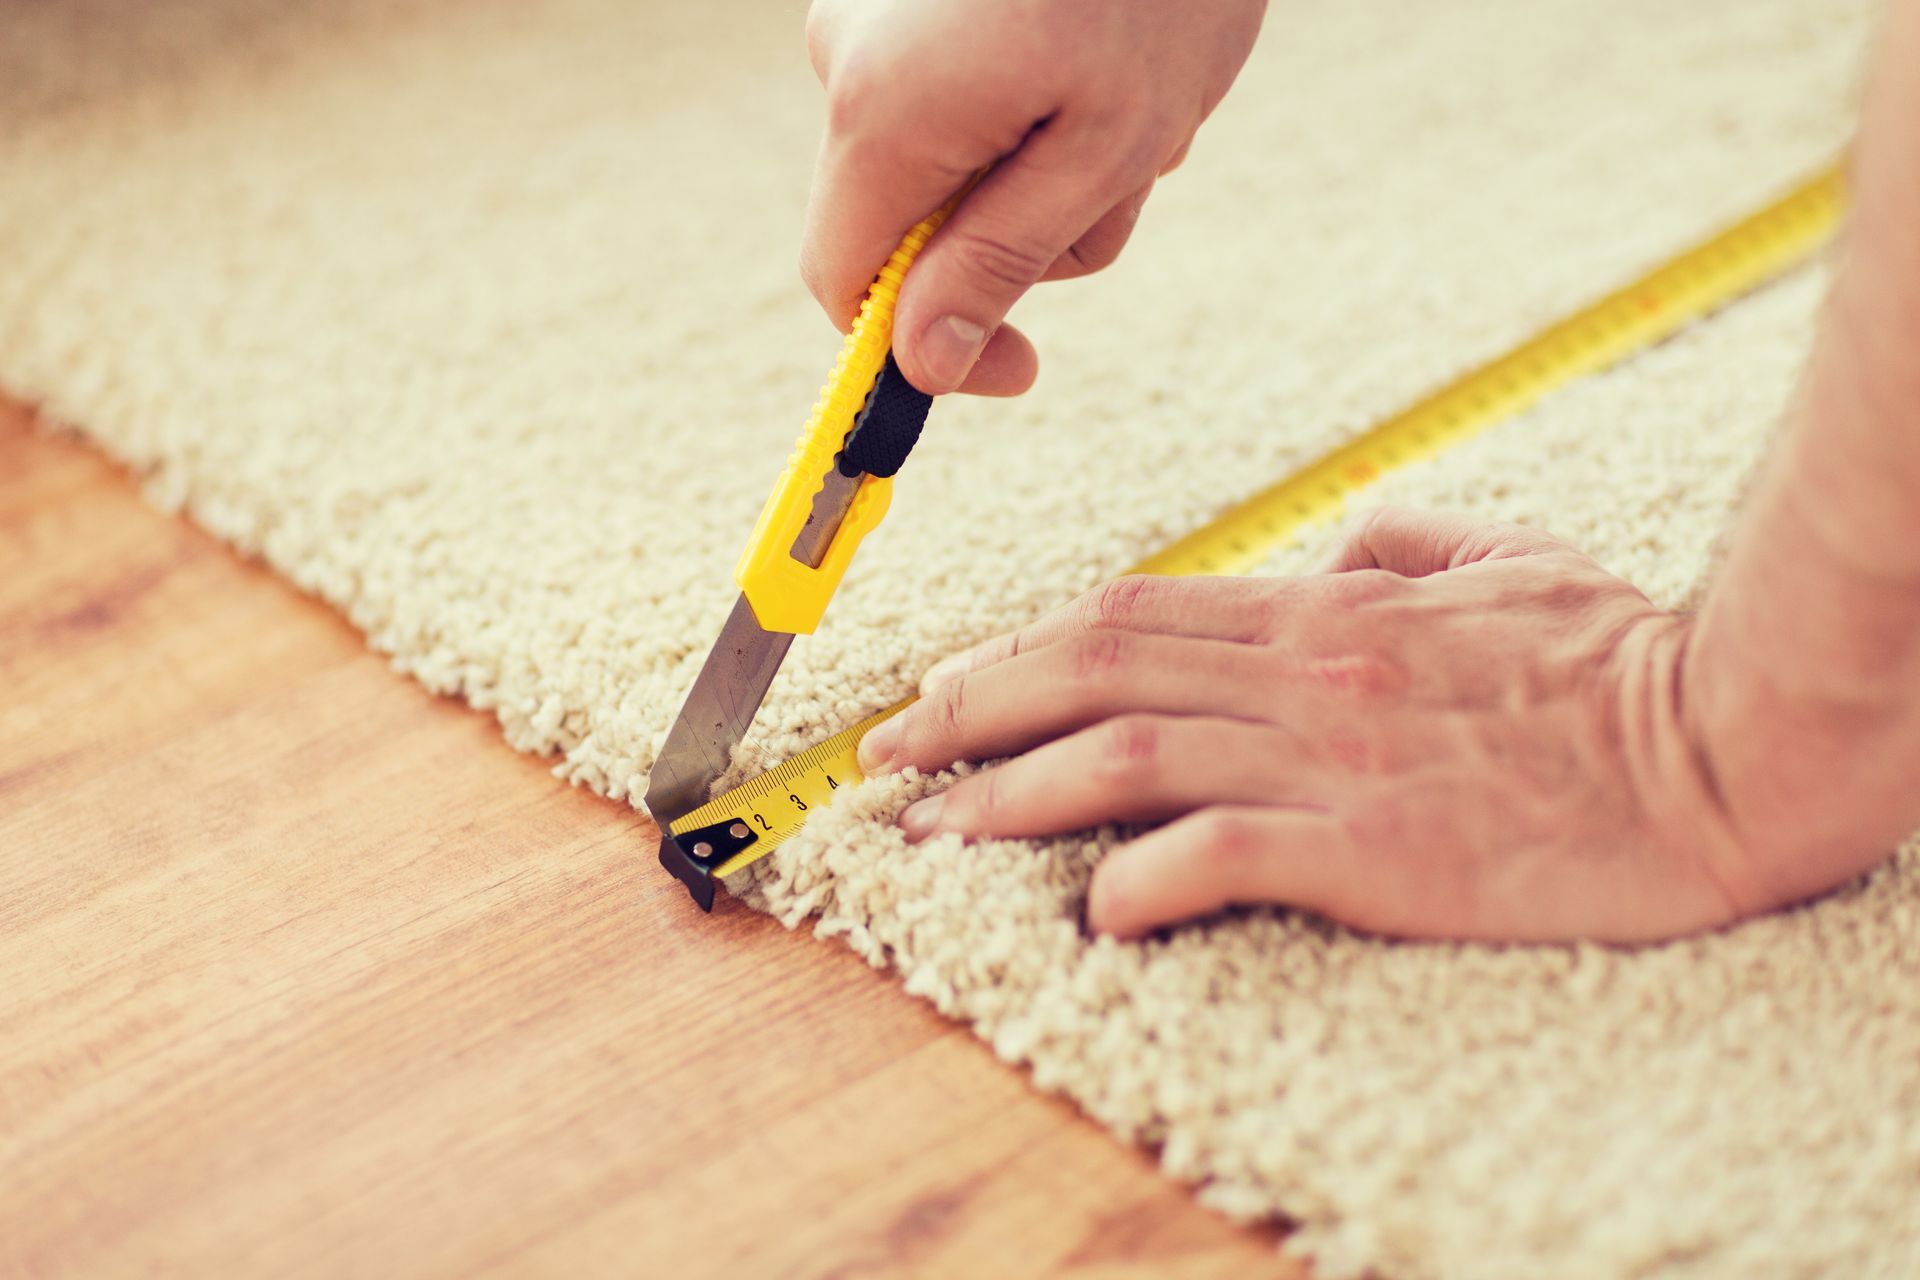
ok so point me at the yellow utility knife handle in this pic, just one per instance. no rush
(788, 594)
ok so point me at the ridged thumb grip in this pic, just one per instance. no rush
(888, 426)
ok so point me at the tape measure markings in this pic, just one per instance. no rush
(1698, 282)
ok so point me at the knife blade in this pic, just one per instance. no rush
(735, 678)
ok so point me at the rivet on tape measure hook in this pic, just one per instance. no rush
(754, 818)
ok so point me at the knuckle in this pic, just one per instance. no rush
(1096, 253)
(1362, 674)
(1375, 521)
(982, 656)
(854, 87)
(999, 261)
(1504, 540)
(1300, 609)
(982, 798)
(1135, 136)
(946, 718)
(1144, 153)
(1094, 658)
(1224, 841)
(1130, 749)
(1525, 540)
(1277, 610)
(1488, 542)
(1353, 750)
(1118, 604)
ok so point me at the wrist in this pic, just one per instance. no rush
(1802, 674)
(1811, 755)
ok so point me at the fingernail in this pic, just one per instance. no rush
(942, 671)
(921, 817)
(877, 748)
(949, 348)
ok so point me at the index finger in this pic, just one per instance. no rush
(867, 193)
(1234, 609)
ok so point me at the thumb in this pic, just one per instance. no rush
(998, 244)
(1415, 543)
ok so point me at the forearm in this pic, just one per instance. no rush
(1803, 677)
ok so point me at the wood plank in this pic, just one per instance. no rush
(304, 972)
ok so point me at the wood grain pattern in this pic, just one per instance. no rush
(303, 972)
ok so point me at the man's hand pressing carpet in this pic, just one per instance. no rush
(1471, 730)
(1464, 729)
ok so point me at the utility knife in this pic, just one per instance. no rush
(835, 490)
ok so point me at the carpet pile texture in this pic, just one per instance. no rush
(480, 320)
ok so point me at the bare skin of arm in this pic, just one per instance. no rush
(1803, 677)
(1472, 730)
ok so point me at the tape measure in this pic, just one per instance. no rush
(1754, 251)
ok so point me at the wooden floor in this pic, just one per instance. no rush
(303, 972)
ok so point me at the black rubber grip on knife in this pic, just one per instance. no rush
(888, 427)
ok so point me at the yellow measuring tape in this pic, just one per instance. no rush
(1752, 252)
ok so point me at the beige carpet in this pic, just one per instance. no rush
(480, 319)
